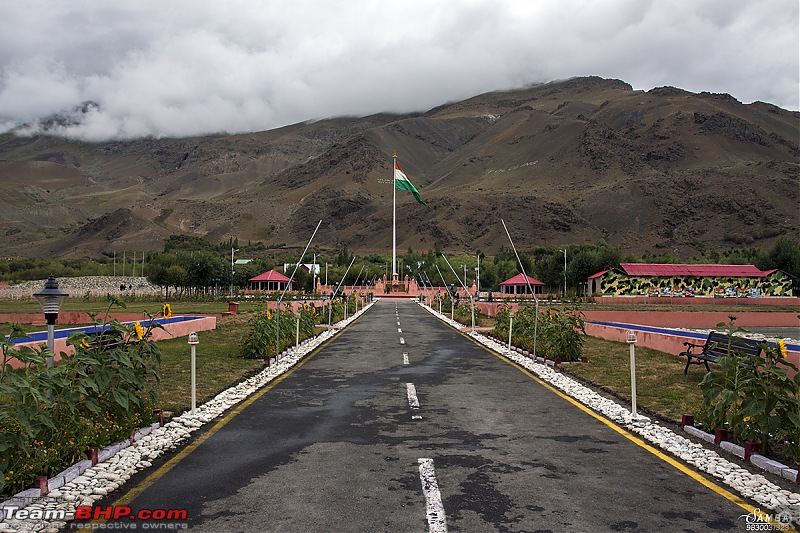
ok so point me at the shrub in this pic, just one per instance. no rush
(754, 397)
(94, 397)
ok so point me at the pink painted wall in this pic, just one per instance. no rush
(66, 318)
(658, 341)
(695, 319)
(173, 330)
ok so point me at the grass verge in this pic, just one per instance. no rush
(218, 365)
(661, 385)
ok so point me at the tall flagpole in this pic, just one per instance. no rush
(394, 218)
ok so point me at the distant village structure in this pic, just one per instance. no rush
(650, 279)
(272, 280)
(517, 285)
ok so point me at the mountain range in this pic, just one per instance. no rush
(579, 160)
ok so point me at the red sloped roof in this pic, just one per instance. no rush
(519, 279)
(598, 274)
(271, 275)
(653, 269)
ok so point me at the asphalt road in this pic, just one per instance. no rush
(335, 446)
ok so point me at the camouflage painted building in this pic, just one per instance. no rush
(649, 279)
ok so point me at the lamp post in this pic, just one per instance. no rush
(51, 298)
(631, 338)
(193, 342)
(233, 251)
(510, 327)
(565, 271)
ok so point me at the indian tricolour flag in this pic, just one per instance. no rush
(401, 182)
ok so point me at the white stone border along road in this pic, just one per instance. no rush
(784, 504)
(83, 484)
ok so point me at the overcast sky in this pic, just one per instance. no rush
(186, 67)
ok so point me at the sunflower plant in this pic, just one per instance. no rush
(755, 397)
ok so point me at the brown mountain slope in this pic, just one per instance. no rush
(571, 161)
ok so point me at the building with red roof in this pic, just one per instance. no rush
(518, 285)
(655, 279)
(271, 280)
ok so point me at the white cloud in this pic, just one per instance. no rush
(190, 67)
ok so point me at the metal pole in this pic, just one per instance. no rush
(194, 379)
(297, 331)
(394, 216)
(633, 380)
(51, 344)
(471, 299)
(333, 294)
(522, 268)
(452, 304)
(478, 281)
(278, 303)
(510, 327)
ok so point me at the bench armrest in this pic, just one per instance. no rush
(692, 345)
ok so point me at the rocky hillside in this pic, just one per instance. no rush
(572, 161)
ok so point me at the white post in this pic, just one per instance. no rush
(510, 327)
(297, 331)
(194, 378)
(632, 342)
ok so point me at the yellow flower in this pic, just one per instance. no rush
(269, 315)
(782, 348)
(137, 328)
(166, 311)
(747, 419)
(84, 343)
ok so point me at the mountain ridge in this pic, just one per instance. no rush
(577, 160)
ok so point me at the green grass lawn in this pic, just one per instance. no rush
(661, 385)
(218, 365)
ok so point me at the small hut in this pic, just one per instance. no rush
(517, 285)
(270, 281)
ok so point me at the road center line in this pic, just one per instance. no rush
(405, 358)
(402, 340)
(437, 522)
(411, 390)
(399, 330)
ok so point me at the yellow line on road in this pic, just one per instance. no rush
(725, 493)
(131, 495)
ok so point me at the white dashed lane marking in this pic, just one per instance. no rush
(437, 522)
(413, 401)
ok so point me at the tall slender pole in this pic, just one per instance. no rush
(394, 218)
(288, 284)
(471, 299)
(478, 281)
(535, 299)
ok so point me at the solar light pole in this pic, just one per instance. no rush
(631, 337)
(193, 342)
(510, 327)
(51, 298)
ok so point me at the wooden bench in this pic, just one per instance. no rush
(718, 345)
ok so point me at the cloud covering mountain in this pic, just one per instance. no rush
(184, 68)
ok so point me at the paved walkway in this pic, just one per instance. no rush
(339, 444)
